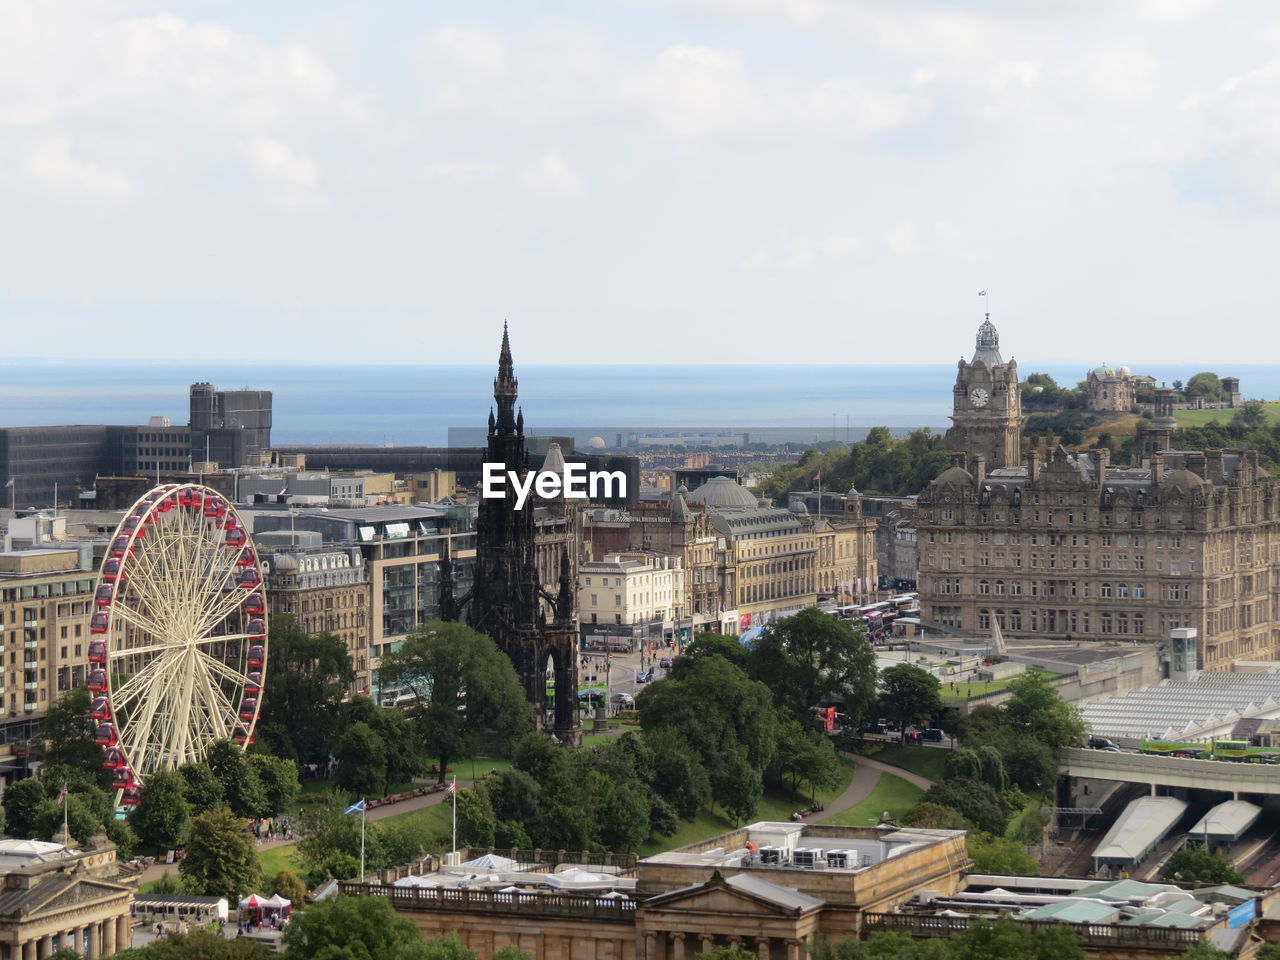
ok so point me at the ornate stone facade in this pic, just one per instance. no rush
(520, 554)
(1110, 390)
(52, 897)
(987, 404)
(1073, 546)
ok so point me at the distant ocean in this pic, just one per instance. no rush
(406, 405)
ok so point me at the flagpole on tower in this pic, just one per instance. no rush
(986, 302)
(363, 813)
(453, 788)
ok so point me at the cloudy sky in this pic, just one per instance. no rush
(639, 180)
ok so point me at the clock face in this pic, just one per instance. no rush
(979, 397)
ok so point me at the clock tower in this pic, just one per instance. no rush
(987, 404)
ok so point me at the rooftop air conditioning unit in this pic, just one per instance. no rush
(805, 856)
(771, 855)
(839, 859)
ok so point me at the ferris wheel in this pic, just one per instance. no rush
(178, 644)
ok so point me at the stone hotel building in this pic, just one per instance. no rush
(1072, 545)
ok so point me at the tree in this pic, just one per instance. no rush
(162, 819)
(353, 928)
(448, 947)
(362, 761)
(738, 789)
(476, 821)
(66, 734)
(201, 788)
(1199, 866)
(720, 711)
(287, 885)
(999, 856)
(976, 801)
(1035, 707)
(240, 784)
(909, 696)
(727, 953)
(279, 779)
(1205, 386)
(709, 645)
(624, 816)
(512, 952)
(814, 656)
(308, 677)
(21, 801)
(196, 945)
(803, 756)
(221, 860)
(461, 684)
(934, 816)
(678, 775)
(1008, 939)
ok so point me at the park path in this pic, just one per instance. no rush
(864, 781)
(924, 783)
(157, 870)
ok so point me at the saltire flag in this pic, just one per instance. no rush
(357, 807)
(982, 293)
(453, 785)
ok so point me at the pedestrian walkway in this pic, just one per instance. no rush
(864, 781)
(924, 783)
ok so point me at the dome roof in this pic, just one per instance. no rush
(988, 345)
(596, 443)
(722, 492)
(956, 475)
(1124, 371)
(285, 563)
(798, 507)
(1103, 371)
(1185, 480)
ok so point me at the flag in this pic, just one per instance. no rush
(9, 484)
(453, 785)
(982, 293)
(357, 807)
(62, 794)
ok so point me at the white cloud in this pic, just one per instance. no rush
(50, 164)
(141, 91)
(552, 176)
(463, 174)
(900, 239)
(290, 180)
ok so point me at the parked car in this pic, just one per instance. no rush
(624, 700)
(934, 735)
(665, 662)
(644, 676)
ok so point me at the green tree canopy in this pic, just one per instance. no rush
(814, 656)
(362, 761)
(1196, 865)
(162, 819)
(353, 928)
(221, 860)
(909, 696)
(304, 684)
(67, 731)
(709, 645)
(999, 856)
(1205, 386)
(462, 684)
(1035, 707)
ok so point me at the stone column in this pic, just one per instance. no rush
(108, 937)
(29, 950)
(793, 950)
(94, 932)
(124, 932)
(677, 946)
(650, 946)
(46, 946)
(763, 949)
(708, 942)
(735, 943)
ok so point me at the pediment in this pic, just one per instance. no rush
(724, 901)
(55, 897)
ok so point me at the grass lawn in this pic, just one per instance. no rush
(966, 690)
(924, 761)
(890, 793)
(1198, 418)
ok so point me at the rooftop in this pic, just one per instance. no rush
(1196, 709)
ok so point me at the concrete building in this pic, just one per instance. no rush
(406, 554)
(635, 589)
(52, 897)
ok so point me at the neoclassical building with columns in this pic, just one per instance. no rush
(769, 888)
(53, 897)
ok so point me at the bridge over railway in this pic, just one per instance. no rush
(1228, 777)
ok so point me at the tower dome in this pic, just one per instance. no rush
(988, 350)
